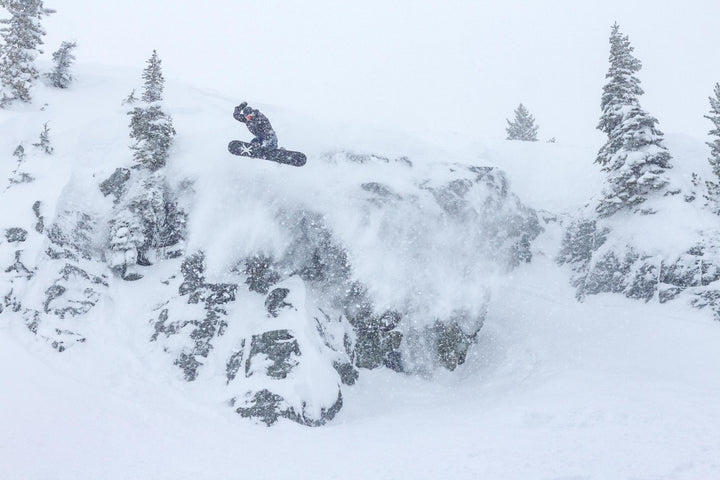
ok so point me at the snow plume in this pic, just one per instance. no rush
(421, 238)
(388, 264)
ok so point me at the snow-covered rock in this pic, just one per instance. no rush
(275, 285)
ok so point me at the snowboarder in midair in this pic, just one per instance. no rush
(259, 126)
(265, 144)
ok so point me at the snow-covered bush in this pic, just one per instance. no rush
(125, 242)
(147, 224)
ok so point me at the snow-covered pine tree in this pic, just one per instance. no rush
(634, 156)
(149, 207)
(60, 77)
(163, 223)
(150, 127)
(152, 131)
(148, 217)
(21, 36)
(714, 145)
(154, 81)
(145, 225)
(44, 143)
(623, 87)
(523, 127)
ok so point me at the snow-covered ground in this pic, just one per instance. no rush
(554, 389)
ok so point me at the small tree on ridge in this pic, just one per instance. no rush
(523, 127)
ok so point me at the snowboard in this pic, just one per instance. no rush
(286, 157)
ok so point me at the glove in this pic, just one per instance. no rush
(238, 113)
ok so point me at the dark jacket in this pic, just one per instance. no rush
(259, 126)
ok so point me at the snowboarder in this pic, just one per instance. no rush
(265, 143)
(259, 126)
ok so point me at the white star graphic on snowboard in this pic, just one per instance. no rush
(246, 150)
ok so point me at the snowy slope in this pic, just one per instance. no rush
(556, 389)
(552, 388)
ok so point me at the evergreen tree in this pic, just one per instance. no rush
(150, 127)
(154, 81)
(152, 131)
(714, 117)
(623, 87)
(523, 127)
(163, 223)
(44, 143)
(21, 37)
(60, 76)
(147, 218)
(581, 240)
(634, 155)
(145, 225)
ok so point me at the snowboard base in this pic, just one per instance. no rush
(286, 157)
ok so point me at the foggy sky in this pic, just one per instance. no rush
(437, 67)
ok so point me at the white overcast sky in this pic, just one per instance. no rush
(439, 67)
